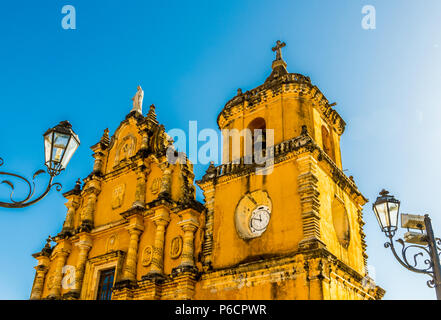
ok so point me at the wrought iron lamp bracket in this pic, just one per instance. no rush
(27, 201)
(404, 259)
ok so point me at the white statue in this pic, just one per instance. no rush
(137, 100)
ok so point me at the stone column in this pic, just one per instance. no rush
(62, 251)
(189, 225)
(165, 190)
(40, 275)
(135, 228)
(98, 164)
(90, 208)
(72, 206)
(91, 190)
(161, 219)
(140, 187)
(144, 140)
(84, 246)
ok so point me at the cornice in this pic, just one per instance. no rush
(293, 83)
(302, 257)
(282, 152)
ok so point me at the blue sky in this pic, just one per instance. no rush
(190, 57)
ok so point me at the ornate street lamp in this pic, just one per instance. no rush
(60, 143)
(386, 209)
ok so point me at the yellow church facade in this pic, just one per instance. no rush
(290, 230)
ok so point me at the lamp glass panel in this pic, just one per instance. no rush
(59, 146)
(47, 147)
(382, 215)
(393, 213)
(70, 150)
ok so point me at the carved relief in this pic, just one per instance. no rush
(176, 247)
(118, 196)
(112, 243)
(126, 149)
(156, 185)
(147, 256)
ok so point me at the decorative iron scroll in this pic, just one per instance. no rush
(27, 201)
(415, 261)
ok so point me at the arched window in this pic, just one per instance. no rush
(257, 129)
(327, 143)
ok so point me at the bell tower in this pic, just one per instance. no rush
(301, 214)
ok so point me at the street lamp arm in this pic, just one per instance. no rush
(31, 189)
(404, 261)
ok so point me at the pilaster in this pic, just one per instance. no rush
(161, 220)
(62, 251)
(207, 246)
(135, 229)
(72, 205)
(309, 201)
(98, 163)
(91, 191)
(141, 180)
(84, 246)
(165, 190)
(189, 224)
(40, 276)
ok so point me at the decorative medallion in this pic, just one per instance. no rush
(112, 243)
(118, 196)
(156, 185)
(176, 247)
(147, 256)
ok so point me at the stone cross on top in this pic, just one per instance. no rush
(278, 49)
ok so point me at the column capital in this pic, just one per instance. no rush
(85, 241)
(63, 247)
(41, 268)
(136, 223)
(160, 221)
(92, 186)
(161, 216)
(98, 154)
(74, 202)
(189, 220)
(135, 231)
(43, 263)
(189, 225)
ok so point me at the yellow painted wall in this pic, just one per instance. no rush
(284, 230)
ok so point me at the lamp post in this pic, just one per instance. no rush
(60, 143)
(386, 209)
